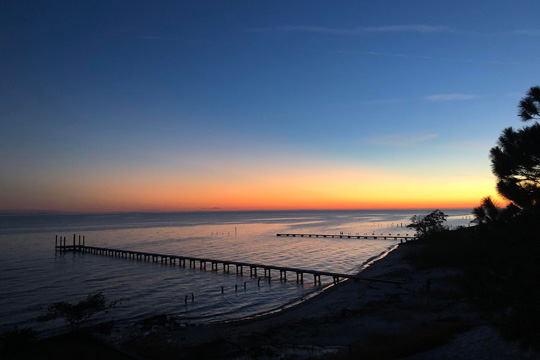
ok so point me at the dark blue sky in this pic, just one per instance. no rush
(115, 92)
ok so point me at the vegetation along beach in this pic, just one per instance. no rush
(269, 180)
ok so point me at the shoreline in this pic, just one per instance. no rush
(319, 303)
(423, 314)
(312, 296)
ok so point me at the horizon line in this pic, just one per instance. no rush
(149, 211)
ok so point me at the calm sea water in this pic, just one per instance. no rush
(32, 276)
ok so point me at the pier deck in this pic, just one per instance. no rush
(201, 263)
(350, 236)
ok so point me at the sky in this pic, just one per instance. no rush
(242, 105)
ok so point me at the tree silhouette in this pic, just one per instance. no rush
(480, 216)
(516, 159)
(429, 224)
(488, 212)
(77, 314)
(529, 106)
(516, 163)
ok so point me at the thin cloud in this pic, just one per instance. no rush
(425, 29)
(155, 38)
(404, 140)
(185, 42)
(531, 32)
(163, 38)
(413, 56)
(172, 39)
(491, 62)
(468, 146)
(410, 28)
(370, 53)
(381, 101)
(450, 97)
(397, 55)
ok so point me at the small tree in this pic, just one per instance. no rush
(488, 212)
(79, 313)
(429, 224)
(480, 216)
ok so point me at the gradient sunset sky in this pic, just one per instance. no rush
(198, 105)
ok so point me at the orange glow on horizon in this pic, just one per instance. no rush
(328, 188)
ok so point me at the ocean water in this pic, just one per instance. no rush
(33, 276)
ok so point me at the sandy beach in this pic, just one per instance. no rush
(425, 317)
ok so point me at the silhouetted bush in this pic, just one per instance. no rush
(77, 314)
(388, 346)
(501, 271)
(428, 224)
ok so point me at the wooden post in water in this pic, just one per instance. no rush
(73, 241)
(83, 241)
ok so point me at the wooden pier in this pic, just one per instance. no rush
(402, 238)
(201, 263)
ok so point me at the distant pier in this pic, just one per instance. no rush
(79, 245)
(402, 238)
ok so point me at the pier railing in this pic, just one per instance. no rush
(201, 263)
